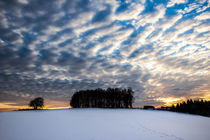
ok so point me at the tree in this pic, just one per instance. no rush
(37, 103)
(200, 107)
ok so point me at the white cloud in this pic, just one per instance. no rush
(191, 7)
(202, 28)
(203, 16)
(131, 13)
(23, 1)
(171, 3)
(151, 18)
(4, 22)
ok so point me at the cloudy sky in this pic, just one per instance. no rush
(52, 48)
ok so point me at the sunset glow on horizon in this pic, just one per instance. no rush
(9, 106)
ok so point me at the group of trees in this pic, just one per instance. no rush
(123, 98)
(109, 98)
(101, 98)
(193, 107)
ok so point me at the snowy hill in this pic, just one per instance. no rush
(102, 124)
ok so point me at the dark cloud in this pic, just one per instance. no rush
(143, 49)
(15, 86)
(59, 34)
(181, 88)
(102, 15)
(46, 56)
(66, 42)
(75, 64)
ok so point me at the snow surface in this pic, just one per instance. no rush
(102, 124)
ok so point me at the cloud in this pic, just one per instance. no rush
(53, 48)
(203, 16)
(171, 3)
(102, 15)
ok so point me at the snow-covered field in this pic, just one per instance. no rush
(102, 124)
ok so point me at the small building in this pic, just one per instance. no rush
(165, 108)
(149, 107)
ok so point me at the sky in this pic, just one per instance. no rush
(52, 48)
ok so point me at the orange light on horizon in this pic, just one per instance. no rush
(168, 101)
(8, 106)
(11, 106)
(66, 107)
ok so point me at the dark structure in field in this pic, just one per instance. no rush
(149, 107)
(109, 98)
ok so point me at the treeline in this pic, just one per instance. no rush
(199, 107)
(101, 98)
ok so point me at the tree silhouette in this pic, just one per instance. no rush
(37, 103)
(199, 107)
(109, 98)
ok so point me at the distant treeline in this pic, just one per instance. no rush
(199, 107)
(101, 98)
